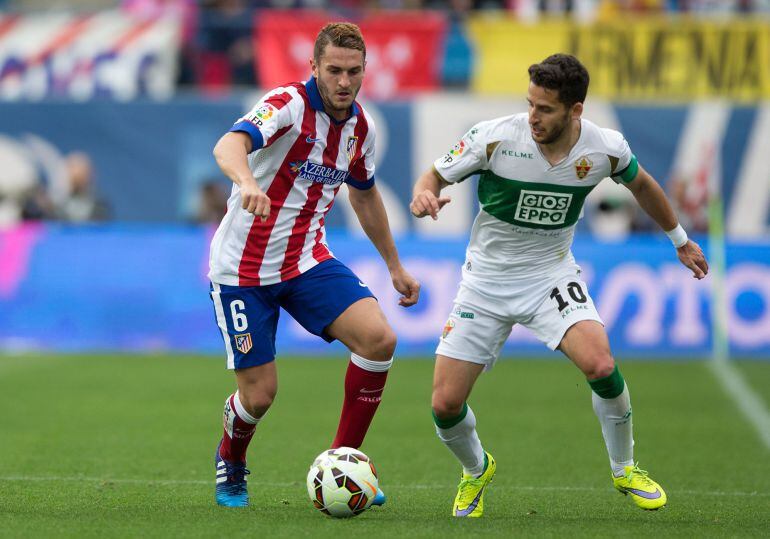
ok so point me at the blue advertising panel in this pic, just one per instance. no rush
(151, 158)
(144, 288)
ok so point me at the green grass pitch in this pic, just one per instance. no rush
(122, 446)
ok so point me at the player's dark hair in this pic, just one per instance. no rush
(340, 34)
(562, 72)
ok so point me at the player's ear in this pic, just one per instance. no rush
(314, 67)
(577, 110)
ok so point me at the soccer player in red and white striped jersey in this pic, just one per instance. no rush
(287, 159)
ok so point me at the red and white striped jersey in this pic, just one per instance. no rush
(300, 157)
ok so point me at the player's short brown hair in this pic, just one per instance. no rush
(562, 72)
(340, 34)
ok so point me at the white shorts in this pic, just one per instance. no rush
(483, 314)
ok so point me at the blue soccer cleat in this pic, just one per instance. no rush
(379, 498)
(231, 488)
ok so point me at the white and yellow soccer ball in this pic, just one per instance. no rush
(342, 482)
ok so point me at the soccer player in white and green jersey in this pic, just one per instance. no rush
(535, 172)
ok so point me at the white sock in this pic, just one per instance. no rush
(241, 411)
(463, 441)
(617, 428)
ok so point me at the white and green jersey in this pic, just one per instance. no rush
(529, 208)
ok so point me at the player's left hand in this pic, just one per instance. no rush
(406, 285)
(691, 255)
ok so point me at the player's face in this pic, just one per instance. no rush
(549, 118)
(339, 72)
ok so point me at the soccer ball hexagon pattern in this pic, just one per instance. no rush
(342, 482)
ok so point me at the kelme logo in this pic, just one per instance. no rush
(520, 155)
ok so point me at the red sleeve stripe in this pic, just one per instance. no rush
(279, 100)
(278, 134)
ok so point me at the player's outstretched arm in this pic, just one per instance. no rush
(371, 213)
(426, 200)
(651, 197)
(231, 153)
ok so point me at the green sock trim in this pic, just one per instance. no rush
(486, 463)
(452, 421)
(610, 386)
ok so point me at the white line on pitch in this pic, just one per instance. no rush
(752, 406)
(417, 486)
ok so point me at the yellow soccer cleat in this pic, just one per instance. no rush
(469, 501)
(645, 492)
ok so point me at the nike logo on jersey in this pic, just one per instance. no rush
(311, 140)
(361, 284)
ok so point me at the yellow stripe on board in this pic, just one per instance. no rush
(634, 60)
(505, 49)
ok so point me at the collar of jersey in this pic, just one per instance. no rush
(317, 103)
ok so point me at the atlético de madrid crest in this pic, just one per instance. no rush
(243, 342)
(351, 146)
(583, 167)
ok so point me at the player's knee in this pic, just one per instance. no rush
(388, 342)
(259, 400)
(380, 344)
(446, 406)
(601, 366)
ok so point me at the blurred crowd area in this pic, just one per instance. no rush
(217, 53)
(69, 195)
(543, 6)
(217, 50)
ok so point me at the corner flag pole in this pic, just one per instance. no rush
(720, 345)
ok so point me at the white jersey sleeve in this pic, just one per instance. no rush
(274, 114)
(466, 158)
(625, 166)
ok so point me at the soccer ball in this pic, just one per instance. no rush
(342, 482)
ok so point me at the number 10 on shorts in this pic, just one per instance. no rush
(576, 298)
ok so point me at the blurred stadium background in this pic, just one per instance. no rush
(109, 194)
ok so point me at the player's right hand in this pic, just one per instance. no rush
(427, 203)
(691, 255)
(254, 200)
